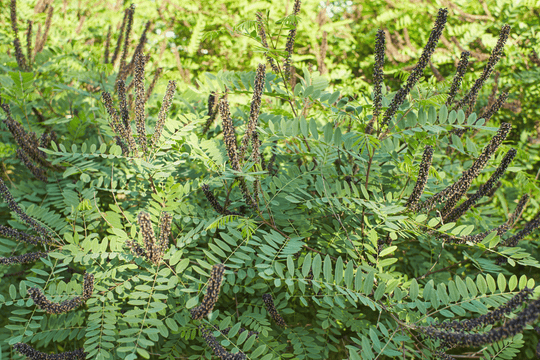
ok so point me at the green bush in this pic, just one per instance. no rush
(265, 212)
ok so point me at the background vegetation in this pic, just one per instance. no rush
(353, 271)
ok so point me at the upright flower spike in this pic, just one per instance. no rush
(500, 230)
(464, 183)
(153, 249)
(122, 72)
(493, 108)
(217, 348)
(38, 172)
(215, 204)
(212, 111)
(140, 115)
(378, 74)
(21, 61)
(31, 353)
(27, 142)
(212, 293)
(512, 327)
(139, 49)
(117, 126)
(241, 330)
(124, 111)
(289, 46)
(527, 229)
(22, 259)
(229, 135)
(470, 98)
(107, 45)
(88, 286)
(156, 77)
(165, 231)
(41, 43)
(120, 37)
(251, 129)
(444, 356)
(20, 236)
(458, 211)
(163, 111)
(262, 34)
(501, 100)
(136, 249)
(421, 182)
(13, 206)
(418, 70)
(454, 192)
(65, 306)
(29, 42)
(269, 303)
(458, 78)
(491, 317)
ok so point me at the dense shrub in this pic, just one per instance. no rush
(264, 212)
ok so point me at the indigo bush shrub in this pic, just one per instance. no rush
(259, 214)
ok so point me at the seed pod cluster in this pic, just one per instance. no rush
(418, 70)
(31, 353)
(217, 348)
(13, 206)
(421, 182)
(212, 293)
(65, 306)
(271, 308)
(22, 259)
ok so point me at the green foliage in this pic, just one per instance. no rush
(351, 269)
